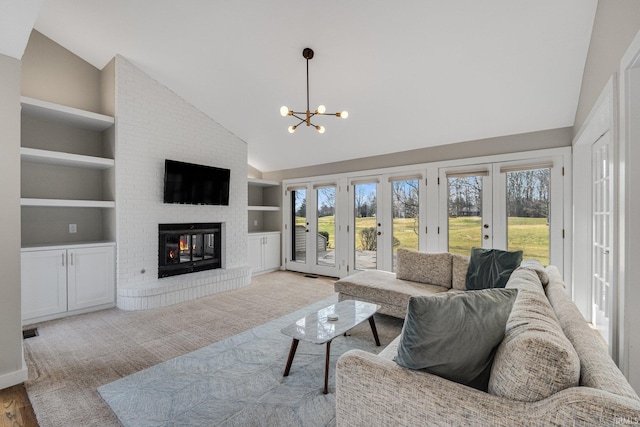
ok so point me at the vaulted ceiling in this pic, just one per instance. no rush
(411, 74)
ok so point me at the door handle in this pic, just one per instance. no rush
(63, 260)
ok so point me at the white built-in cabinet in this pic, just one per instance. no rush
(264, 252)
(68, 202)
(265, 220)
(62, 280)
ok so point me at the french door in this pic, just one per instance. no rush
(337, 225)
(467, 209)
(365, 228)
(505, 205)
(311, 229)
(384, 216)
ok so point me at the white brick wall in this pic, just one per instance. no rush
(154, 124)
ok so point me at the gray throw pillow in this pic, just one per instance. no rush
(491, 268)
(455, 335)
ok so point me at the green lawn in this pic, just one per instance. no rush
(529, 234)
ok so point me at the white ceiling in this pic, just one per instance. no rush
(412, 74)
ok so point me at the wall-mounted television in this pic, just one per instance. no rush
(188, 183)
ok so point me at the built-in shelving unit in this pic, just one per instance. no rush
(264, 225)
(263, 205)
(67, 164)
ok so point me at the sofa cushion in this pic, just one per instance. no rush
(424, 267)
(535, 358)
(459, 267)
(382, 287)
(491, 268)
(454, 335)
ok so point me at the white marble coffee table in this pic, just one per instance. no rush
(320, 328)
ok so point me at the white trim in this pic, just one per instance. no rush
(15, 377)
(628, 207)
(600, 120)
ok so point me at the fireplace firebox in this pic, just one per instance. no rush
(187, 248)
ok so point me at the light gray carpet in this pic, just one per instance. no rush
(72, 357)
(238, 381)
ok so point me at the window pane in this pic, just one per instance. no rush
(326, 242)
(299, 214)
(366, 239)
(465, 213)
(528, 213)
(405, 215)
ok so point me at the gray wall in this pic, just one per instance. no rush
(52, 73)
(501, 145)
(11, 362)
(616, 23)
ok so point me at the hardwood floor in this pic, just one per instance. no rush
(16, 408)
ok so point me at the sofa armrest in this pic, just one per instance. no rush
(371, 390)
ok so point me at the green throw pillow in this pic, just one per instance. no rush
(455, 335)
(491, 268)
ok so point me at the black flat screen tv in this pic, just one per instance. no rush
(192, 184)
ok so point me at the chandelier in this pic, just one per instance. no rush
(305, 117)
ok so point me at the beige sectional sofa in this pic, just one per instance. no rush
(550, 369)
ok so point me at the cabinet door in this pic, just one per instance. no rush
(255, 253)
(272, 252)
(91, 277)
(44, 283)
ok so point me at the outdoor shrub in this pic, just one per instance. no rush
(368, 239)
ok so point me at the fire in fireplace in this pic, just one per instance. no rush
(187, 248)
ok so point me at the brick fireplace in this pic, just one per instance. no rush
(154, 124)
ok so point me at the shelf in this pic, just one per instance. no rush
(58, 158)
(264, 208)
(69, 115)
(67, 203)
(262, 182)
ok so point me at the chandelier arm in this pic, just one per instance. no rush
(300, 122)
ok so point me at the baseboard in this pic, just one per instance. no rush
(13, 378)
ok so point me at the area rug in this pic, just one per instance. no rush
(238, 381)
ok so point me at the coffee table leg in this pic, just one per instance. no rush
(292, 353)
(372, 323)
(326, 369)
